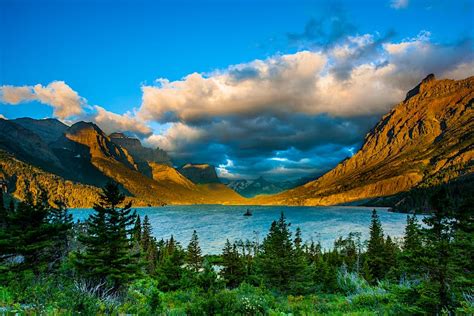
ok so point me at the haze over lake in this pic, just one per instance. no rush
(216, 223)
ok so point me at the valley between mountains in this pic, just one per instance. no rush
(426, 140)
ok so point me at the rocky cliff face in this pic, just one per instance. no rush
(199, 173)
(139, 153)
(425, 140)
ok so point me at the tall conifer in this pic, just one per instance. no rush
(108, 242)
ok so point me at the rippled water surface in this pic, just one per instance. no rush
(215, 223)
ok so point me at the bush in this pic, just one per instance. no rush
(143, 298)
(350, 282)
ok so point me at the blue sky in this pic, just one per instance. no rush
(107, 51)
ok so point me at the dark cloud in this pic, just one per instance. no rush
(277, 147)
(324, 31)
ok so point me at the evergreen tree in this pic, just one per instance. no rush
(148, 245)
(376, 249)
(62, 219)
(463, 247)
(35, 232)
(233, 270)
(391, 252)
(3, 212)
(412, 248)
(298, 240)
(170, 270)
(137, 230)
(279, 263)
(108, 242)
(193, 253)
(208, 280)
(146, 236)
(151, 256)
(438, 255)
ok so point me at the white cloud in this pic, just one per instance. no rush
(399, 4)
(305, 82)
(65, 101)
(241, 89)
(175, 138)
(112, 122)
(3, 117)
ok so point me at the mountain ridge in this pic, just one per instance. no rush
(429, 132)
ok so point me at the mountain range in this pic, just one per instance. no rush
(82, 158)
(262, 186)
(424, 141)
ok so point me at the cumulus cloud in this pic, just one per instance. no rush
(112, 122)
(70, 107)
(248, 113)
(398, 4)
(65, 101)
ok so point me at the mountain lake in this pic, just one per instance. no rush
(216, 223)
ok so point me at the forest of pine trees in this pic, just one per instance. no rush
(112, 264)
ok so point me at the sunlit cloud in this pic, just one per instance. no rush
(248, 112)
(66, 102)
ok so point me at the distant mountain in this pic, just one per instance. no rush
(82, 158)
(262, 186)
(426, 140)
(199, 173)
(251, 188)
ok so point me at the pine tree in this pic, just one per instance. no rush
(151, 256)
(463, 247)
(376, 249)
(3, 212)
(108, 242)
(62, 219)
(146, 237)
(391, 252)
(278, 262)
(193, 253)
(137, 230)
(233, 270)
(298, 240)
(208, 280)
(412, 248)
(438, 255)
(170, 270)
(36, 232)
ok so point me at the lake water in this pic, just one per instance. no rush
(215, 223)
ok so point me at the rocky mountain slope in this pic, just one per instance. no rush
(141, 155)
(426, 140)
(85, 158)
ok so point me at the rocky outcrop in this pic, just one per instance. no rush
(139, 153)
(199, 173)
(425, 140)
